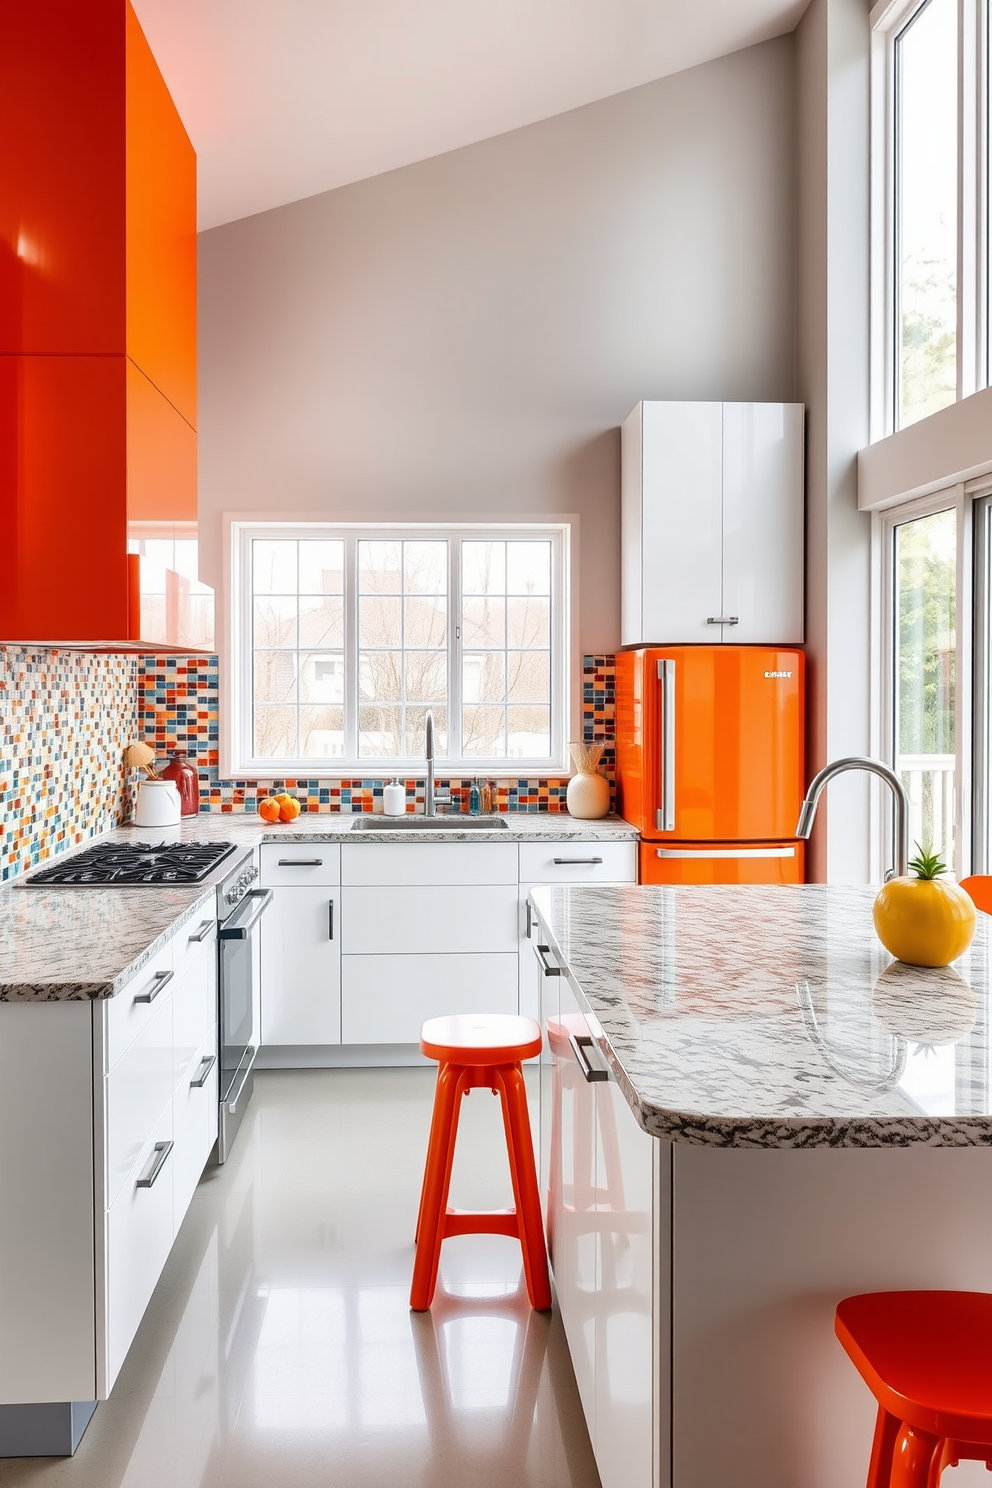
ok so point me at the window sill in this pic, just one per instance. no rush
(952, 445)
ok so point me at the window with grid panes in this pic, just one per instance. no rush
(353, 635)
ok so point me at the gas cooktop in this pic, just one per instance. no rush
(133, 865)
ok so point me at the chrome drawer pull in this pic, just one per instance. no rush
(201, 934)
(580, 1044)
(162, 1150)
(301, 862)
(549, 970)
(154, 987)
(707, 853)
(723, 619)
(578, 860)
(206, 1065)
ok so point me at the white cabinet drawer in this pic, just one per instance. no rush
(194, 1009)
(418, 920)
(139, 1237)
(194, 1124)
(198, 937)
(578, 862)
(429, 863)
(385, 999)
(137, 1003)
(300, 864)
(138, 1089)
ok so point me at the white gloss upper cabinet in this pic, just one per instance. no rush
(712, 524)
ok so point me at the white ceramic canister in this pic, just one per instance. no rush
(394, 799)
(588, 794)
(158, 804)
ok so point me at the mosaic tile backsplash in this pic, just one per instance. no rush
(178, 709)
(65, 718)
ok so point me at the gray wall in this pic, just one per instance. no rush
(463, 337)
(832, 55)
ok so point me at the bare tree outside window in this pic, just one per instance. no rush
(355, 638)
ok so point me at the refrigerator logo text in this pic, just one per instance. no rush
(778, 674)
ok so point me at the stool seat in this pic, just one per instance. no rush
(478, 1051)
(927, 1359)
(480, 1038)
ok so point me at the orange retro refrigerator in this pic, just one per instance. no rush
(710, 761)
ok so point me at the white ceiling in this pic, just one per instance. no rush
(286, 98)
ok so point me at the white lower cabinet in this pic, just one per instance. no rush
(155, 1124)
(601, 1176)
(301, 967)
(387, 998)
(140, 1229)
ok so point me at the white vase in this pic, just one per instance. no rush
(588, 795)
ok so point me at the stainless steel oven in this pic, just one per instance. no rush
(240, 911)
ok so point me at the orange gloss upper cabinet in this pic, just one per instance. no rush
(161, 231)
(98, 274)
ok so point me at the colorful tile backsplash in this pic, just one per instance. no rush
(178, 709)
(65, 718)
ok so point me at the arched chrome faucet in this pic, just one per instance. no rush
(900, 801)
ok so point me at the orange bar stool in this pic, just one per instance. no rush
(477, 1051)
(927, 1359)
(979, 887)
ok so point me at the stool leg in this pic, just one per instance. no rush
(886, 1431)
(912, 1456)
(437, 1181)
(516, 1120)
(430, 1142)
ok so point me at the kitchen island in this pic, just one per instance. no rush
(749, 1111)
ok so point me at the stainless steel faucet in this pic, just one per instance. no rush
(900, 801)
(431, 799)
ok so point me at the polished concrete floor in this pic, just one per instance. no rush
(279, 1349)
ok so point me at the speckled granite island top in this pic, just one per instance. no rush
(772, 1017)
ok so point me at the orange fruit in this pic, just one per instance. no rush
(289, 809)
(268, 809)
(282, 796)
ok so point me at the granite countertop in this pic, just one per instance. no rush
(77, 944)
(753, 1016)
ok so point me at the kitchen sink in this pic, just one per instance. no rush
(459, 823)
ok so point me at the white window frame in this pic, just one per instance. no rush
(237, 760)
(958, 497)
(888, 18)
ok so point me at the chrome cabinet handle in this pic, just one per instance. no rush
(723, 619)
(201, 934)
(578, 860)
(530, 919)
(301, 862)
(666, 676)
(580, 1043)
(158, 981)
(261, 898)
(330, 919)
(542, 951)
(161, 1150)
(206, 1065)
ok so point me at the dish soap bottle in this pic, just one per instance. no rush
(394, 798)
(475, 799)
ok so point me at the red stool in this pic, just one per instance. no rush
(476, 1051)
(927, 1359)
(979, 889)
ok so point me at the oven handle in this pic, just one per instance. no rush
(239, 929)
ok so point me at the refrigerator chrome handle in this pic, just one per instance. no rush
(725, 852)
(666, 677)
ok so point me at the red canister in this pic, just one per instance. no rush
(186, 779)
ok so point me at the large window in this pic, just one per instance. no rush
(345, 638)
(930, 238)
(937, 665)
(924, 700)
